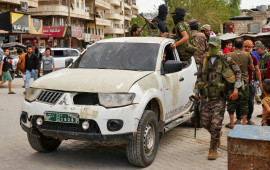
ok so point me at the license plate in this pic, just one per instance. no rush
(62, 117)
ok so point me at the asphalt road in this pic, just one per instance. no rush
(177, 150)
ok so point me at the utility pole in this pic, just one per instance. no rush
(69, 23)
(95, 17)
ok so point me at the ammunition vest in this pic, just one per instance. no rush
(225, 79)
(262, 61)
(187, 49)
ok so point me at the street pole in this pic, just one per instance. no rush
(69, 23)
(95, 17)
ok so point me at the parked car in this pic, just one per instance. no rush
(120, 91)
(61, 54)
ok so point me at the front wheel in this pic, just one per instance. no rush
(43, 143)
(141, 151)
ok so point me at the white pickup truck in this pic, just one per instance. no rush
(120, 91)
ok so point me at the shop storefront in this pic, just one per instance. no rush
(59, 35)
(15, 24)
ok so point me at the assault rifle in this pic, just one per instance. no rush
(196, 119)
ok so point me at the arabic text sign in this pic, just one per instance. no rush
(77, 31)
(54, 31)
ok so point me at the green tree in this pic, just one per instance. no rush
(234, 6)
(213, 12)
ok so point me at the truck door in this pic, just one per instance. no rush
(172, 87)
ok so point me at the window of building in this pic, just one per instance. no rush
(82, 4)
(93, 31)
(78, 4)
(89, 30)
(99, 31)
(102, 31)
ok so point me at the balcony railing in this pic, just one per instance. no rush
(128, 17)
(114, 31)
(115, 2)
(113, 16)
(103, 22)
(103, 4)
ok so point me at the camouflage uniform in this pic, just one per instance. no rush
(201, 42)
(181, 49)
(213, 108)
(264, 62)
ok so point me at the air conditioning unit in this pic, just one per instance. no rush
(254, 28)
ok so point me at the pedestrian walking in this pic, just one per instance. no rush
(4, 71)
(21, 65)
(48, 62)
(228, 47)
(248, 45)
(216, 75)
(31, 67)
(266, 103)
(39, 55)
(243, 59)
(200, 40)
(184, 44)
(160, 20)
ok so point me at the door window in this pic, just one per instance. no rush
(169, 54)
(72, 53)
(59, 53)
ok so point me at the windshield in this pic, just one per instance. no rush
(121, 56)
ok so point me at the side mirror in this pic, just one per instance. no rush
(68, 62)
(172, 66)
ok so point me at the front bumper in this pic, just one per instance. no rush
(116, 139)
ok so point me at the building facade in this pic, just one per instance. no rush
(90, 20)
(251, 21)
(14, 6)
(113, 17)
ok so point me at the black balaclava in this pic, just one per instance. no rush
(179, 15)
(162, 12)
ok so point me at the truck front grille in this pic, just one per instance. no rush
(69, 127)
(86, 99)
(49, 96)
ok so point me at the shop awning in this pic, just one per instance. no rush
(256, 35)
(3, 32)
(25, 36)
(228, 36)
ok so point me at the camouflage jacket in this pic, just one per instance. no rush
(212, 74)
(201, 42)
(263, 63)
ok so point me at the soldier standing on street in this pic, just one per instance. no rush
(216, 74)
(264, 58)
(245, 62)
(200, 40)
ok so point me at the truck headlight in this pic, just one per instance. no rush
(115, 100)
(32, 94)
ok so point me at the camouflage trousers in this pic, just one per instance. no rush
(212, 115)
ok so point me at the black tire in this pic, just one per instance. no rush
(199, 125)
(138, 153)
(43, 143)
